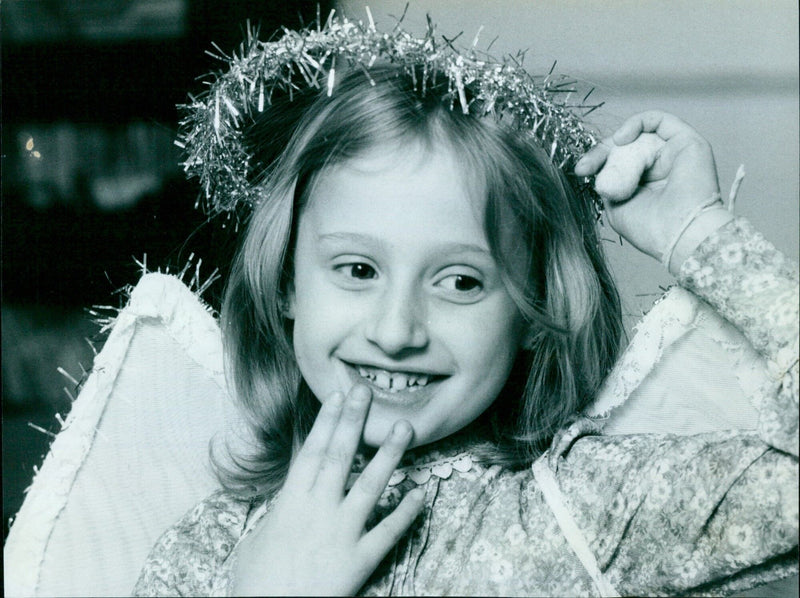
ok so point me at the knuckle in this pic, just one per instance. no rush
(400, 520)
(392, 527)
(328, 413)
(371, 484)
(394, 448)
(702, 142)
(353, 413)
(354, 409)
(309, 453)
(324, 422)
(335, 459)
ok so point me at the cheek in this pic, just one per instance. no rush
(316, 328)
(322, 322)
(494, 350)
(487, 338)
(311, 322)
(313, 339)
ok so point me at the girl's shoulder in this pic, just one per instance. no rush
(222, 510)
(187, 555)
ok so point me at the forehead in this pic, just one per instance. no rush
(416, 187)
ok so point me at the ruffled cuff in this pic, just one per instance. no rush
(751, 284)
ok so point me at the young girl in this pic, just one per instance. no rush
(418, 314)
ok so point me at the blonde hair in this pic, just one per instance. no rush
(563, 290)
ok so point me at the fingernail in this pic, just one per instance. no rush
(360, 394)
(580, 165)
(417, 494)
(401, 430)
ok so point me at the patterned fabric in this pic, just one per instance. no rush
(662, 514)
(754, 286)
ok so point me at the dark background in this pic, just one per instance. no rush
(92, 182)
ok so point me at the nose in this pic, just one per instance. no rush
(398, 322)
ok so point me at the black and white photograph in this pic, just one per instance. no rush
(389, 297)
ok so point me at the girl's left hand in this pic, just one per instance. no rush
(651, 174)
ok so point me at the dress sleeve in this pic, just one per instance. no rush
(755, 287)
(715, 512)
(191, 557)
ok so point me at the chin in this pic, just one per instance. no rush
(376, 429)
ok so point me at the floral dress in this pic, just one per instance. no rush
(646, 514)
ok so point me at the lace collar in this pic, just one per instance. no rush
(442, 468)
(438, 459)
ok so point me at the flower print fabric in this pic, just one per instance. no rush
(758, 292)
(662, 514)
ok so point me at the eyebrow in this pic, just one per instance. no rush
(376, 243)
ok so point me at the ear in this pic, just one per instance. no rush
(528, 339)
(287, 304)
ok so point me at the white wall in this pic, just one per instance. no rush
(729, 67)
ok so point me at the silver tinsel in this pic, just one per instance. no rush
(211, 132)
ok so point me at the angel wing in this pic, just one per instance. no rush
(132, 456)
(685, 371)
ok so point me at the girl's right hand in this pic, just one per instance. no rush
(313, 541)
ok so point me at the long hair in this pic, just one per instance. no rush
(563, 288)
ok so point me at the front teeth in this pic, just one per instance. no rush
(383, 380)
(399, 381)
(394, 382)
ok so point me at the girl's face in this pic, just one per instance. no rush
(395, 288)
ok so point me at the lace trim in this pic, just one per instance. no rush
(441, 468)
(670, 318)
(420, 469)
(419, 473)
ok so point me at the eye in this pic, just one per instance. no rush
(461, 283)
(359, 271)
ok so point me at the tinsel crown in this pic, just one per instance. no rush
(307, 59)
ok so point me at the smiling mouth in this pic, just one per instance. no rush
(394, 381)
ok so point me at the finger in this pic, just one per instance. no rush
(665, 157)
(593, 160)
(662, 124)
(625, 166)
(304, 468)
(379, 540)
(371, 483)
(338, 458)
